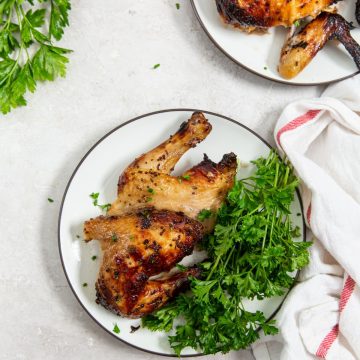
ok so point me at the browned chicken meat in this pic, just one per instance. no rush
(255, 14)
(153, 223)
(147, 181)
(300, 49)
(136, 247)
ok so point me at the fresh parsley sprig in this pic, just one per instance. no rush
(251, 254)
(95, 200)
(27, 53)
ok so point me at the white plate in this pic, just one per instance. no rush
(260, 53)
(99, 170)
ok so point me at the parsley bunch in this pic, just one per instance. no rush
(27, 53)
(250, 255)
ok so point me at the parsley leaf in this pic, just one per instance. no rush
(95, 198)
(20, 34)
(59, 17)
(116, 329)
(50, 200)
(156, 66)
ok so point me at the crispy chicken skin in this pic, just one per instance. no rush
(152, 224)
(254, 14)
(301, 48)
(137, 246)
(147, 181)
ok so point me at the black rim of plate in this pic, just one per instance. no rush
(83, 159)
(254, 71)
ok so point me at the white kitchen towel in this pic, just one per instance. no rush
(321, 316)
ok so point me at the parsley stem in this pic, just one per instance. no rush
(229, 256)
(213, 268)
(266, 228)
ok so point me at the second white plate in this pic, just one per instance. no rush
(260, 53)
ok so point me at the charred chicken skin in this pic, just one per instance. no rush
(301, 48)
(153, 225)
(147, 181)
(254, 14)
(137, 246)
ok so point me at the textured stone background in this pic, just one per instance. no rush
(110, 80)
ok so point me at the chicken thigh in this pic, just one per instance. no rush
(137, 246)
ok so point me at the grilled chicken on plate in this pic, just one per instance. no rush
(153, 225)
(304, 42)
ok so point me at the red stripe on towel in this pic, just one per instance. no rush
(327, 342)
(332, 335)
(292, 125)
(346, 293)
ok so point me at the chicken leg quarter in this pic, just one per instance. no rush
(152, 225)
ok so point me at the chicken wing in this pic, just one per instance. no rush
(301, 48)
(137, 246)
(147, 181)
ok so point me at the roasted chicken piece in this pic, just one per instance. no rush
(153, 223)
(147, 181)
(136, 247)
(301, 48)
(262, 14)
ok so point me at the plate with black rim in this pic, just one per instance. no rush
(98, 171)
(260, 52)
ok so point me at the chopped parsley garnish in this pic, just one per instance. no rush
(186, 177)
(114, 238)
(78, 236)
(116, 329)
(204, 214)
(297, 23)
(94, 257)
(50, 200)
(149, 199)
(85, 284)
(151, 191)
(177, 6)
(95, 198)
(298, 214)
(105, 207)
(265, 68)
(156, 66)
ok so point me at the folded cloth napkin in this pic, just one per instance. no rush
(321, 316)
